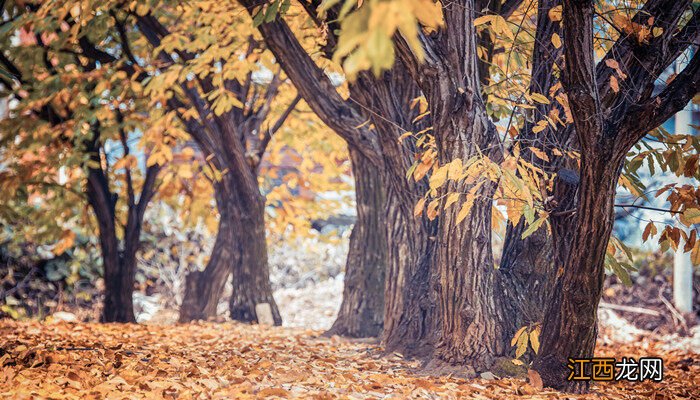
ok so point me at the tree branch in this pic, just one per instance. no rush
(655, 111)
(311, 81)
(579, 72)
(267, 136)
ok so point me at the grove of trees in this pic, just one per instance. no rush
(458, 117)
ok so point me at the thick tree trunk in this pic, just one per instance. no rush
(569, 329)
(527, 268)
(472, 312)
(362, 310)
(409, 305)
(250, 271)
(240, 250)
(409, 312)
(526, 275)
(203, 288)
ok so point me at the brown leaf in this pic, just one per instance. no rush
(535, 379)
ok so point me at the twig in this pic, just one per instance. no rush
(649, 208)
(638, 310)
(676, 315)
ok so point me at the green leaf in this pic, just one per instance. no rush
(534, 226)
(271, 12)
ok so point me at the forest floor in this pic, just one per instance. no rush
(228, 360)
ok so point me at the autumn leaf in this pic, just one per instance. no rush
(614, 85)
(540, 98)
(418, 209)
(556, 40)
(555, 13)
(649, 230)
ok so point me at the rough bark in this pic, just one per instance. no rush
(527, 269)
(570, 326)
(362, 310)
(409, 317)
(119, 273)
(119, 265)
(470, 314)
(607, 125)
(240, 251)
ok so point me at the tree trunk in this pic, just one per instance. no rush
(250, 271)
(119, 275)
(119, 267)
(569, 329)
(409, 309)
(472, 313)
(527, 268)
(362, 310)
(203, 288)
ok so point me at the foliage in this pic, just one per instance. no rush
(523, 186)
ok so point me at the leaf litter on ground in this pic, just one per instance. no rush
(235, 361)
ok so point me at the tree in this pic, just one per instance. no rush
(73, 106)
(609, 120)
(247, 99)
(407, 308)
(228, 113)
(442, 47)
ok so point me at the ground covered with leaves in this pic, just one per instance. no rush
(207, 360)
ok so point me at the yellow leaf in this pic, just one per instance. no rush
(517, 335)
(535, 339)
(539, 153)
(483, 19)
(421, 170)
(521, 346)
(541, 125)
(540, 98)
(438, 177)
(455, 169)
(432, 209)
(500, 25)
(690, 216)
(464, 211)
(555, 13)
(534, 226)
(556, 40)
(451, 199)
(418, 209)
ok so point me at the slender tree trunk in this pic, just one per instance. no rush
(203, 288)
(250, 271)
(119, 267)
(119, 288)
(362, 310)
